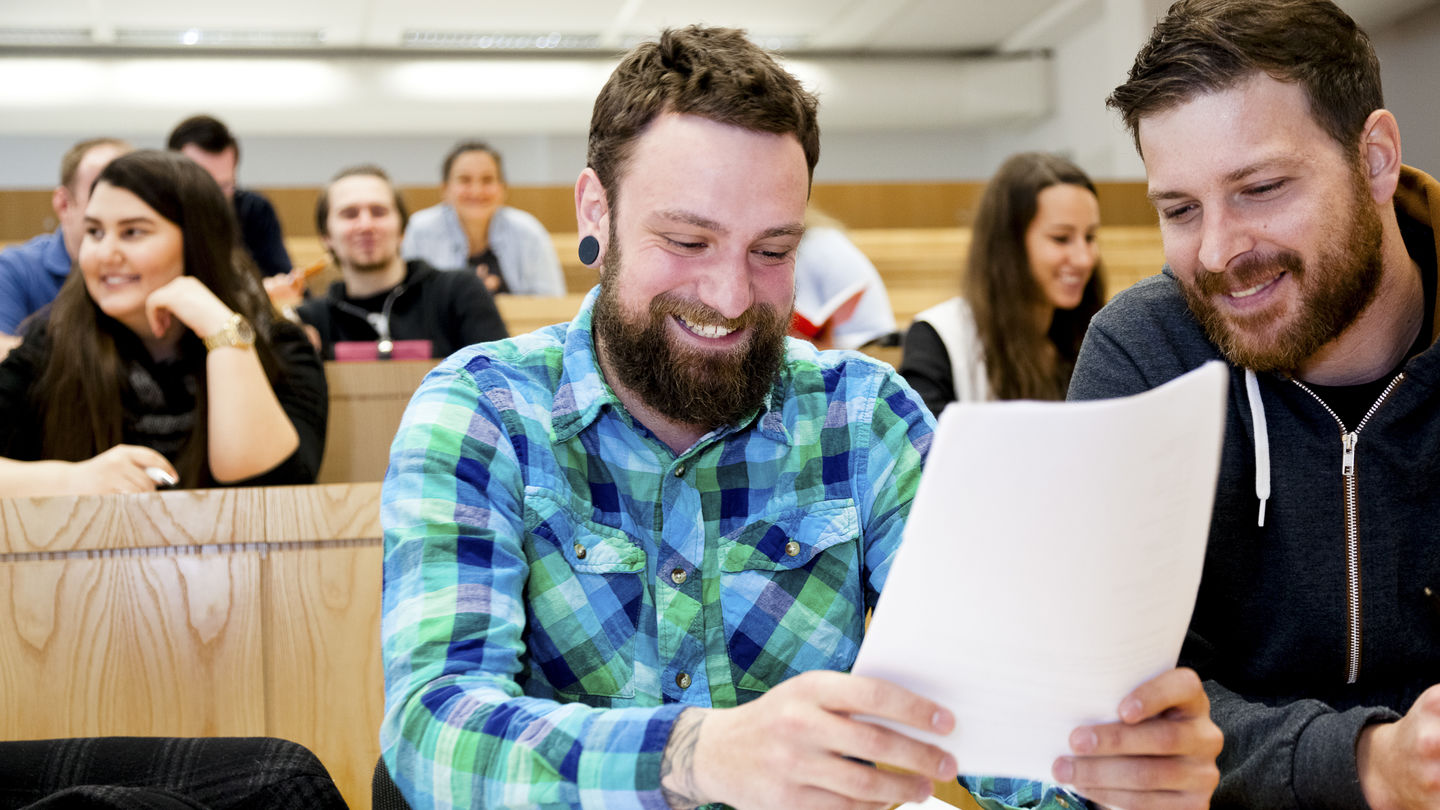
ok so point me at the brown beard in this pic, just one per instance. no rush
(698, 388)
(1334, 290)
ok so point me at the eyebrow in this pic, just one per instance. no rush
(125, 221)
(1282, 163)
(692, 218)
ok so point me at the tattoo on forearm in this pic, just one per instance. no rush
(677, 764)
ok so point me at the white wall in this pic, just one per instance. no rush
(881, 120)
(1410, 67)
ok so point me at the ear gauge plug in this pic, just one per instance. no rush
(589, 250)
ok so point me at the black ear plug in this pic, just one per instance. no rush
(589, 250)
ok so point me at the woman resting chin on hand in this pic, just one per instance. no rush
(160, 362)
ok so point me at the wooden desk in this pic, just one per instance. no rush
(526, 313)
(367, 400)
(197, 613)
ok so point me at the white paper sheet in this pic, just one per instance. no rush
(1049, 566)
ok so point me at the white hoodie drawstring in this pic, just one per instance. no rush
(1262, 441)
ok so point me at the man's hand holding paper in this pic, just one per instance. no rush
(1048, 573)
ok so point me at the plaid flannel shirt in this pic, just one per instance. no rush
(559, 585)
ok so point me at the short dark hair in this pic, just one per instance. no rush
(205, 131)
(75, 155)
(714, 73)
(470, 146)
(1203, 46)
(322, 203)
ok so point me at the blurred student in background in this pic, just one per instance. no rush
(1032, 283)
(160, 362)
(31, 273)
(382, 298)
(207, 141)
(473, 228)
(827, 265)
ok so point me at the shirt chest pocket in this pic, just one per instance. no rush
(584, 599)
(791, 594)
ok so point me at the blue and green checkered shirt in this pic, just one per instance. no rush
(560, 585)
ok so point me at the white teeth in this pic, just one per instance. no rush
(1249, 292)
(706, 330)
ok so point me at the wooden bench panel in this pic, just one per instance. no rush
(367, 400)
(183, 626)
(134, 645)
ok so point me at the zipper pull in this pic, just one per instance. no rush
(1347, 459)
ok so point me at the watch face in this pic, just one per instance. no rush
(244, 332)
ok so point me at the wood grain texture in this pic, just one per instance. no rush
(156, 519)
(322, 512)
(367, 400)
(323, 683)
(135, 645)
(202, 613)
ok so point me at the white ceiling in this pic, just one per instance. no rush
(828, 25)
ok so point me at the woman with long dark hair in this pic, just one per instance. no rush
(160, 362)
(1032, 282)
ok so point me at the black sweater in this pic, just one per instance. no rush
(450, 309)
(300, 389)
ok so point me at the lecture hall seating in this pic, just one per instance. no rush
(197, 613)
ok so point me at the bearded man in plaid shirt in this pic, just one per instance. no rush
(628, 558)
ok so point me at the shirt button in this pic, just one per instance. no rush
(683, 680)
(792, 548)
(579, 552)
(680, 471)
(678, 576)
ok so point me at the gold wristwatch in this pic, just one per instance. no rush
(236, 332)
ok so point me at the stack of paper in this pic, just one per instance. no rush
(1049, 566)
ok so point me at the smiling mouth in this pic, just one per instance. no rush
(1249, 291)
(118, 280)
(705, 330)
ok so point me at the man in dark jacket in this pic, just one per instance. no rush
(382, 299)
(1302, 252)
(207, 141)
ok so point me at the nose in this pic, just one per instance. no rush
(725, 287)
(1083, 254)
(1221, 240)
(107, 247)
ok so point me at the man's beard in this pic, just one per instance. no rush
(372, 266)
(1333, 291)
(706, 389)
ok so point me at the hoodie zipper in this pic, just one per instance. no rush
(1348, 441)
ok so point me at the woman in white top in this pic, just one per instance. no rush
(473, 229)
(1032, 283)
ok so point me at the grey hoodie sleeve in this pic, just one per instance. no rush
(1299, 755)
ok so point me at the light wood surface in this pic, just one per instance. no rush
(367, 400)
(197, 613)
(526, 313)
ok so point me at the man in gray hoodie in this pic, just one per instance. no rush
(1302, 252)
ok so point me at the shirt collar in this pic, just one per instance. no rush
(57, 259)
(582, 393)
